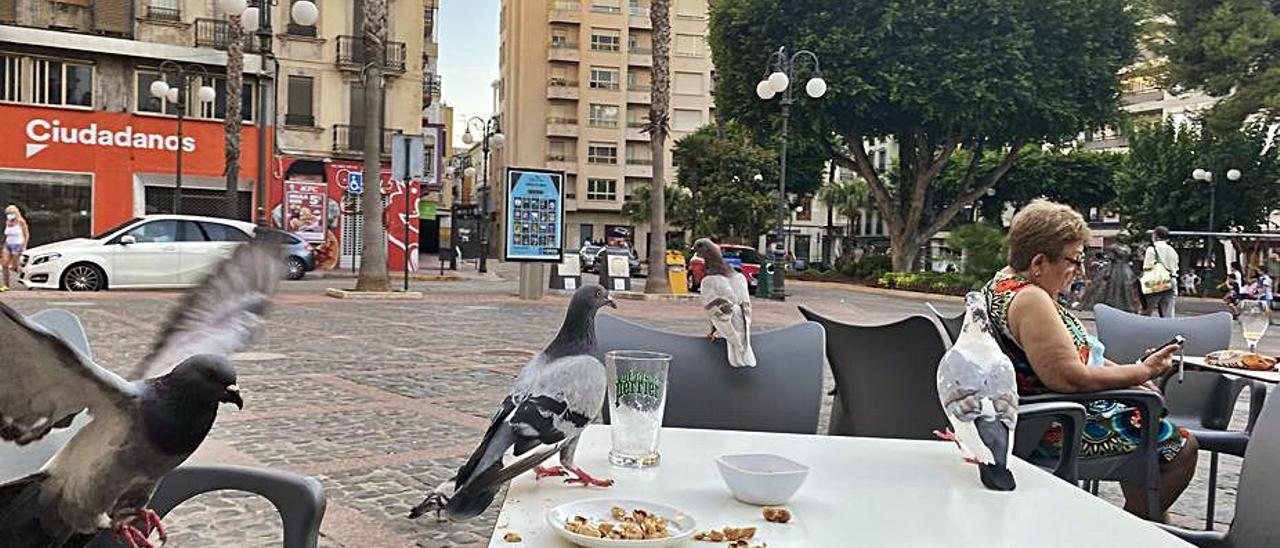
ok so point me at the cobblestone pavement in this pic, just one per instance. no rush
(382, 400)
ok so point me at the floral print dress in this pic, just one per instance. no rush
(1111, 428)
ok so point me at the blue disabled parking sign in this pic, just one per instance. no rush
(355, 183)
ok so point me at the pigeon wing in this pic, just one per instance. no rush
(222, 315)
(46, 383)
(722, 300)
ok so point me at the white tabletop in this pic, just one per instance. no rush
(1197, 362)
(861, 492)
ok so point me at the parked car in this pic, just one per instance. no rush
(299, 256)
(156, 251)
(601, 262)
(742, 258)
(587, 257)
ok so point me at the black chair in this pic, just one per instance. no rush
(299, 499)
(1255, 524)
(1202, 402)
(781, 394)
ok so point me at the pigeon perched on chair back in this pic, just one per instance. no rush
(979, 393)
(727, 300)
(555, 396)
(104, 477)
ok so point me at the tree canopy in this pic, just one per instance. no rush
(935, 76)
(1082, 179)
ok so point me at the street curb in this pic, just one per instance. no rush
(917, 295)
(373, 295)
(636, 296)
(400, 276)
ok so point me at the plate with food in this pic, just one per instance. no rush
(1240, 359)
(609, 523)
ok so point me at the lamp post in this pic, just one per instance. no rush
(1207, 176)
(458, 170)
(780, 70)
(179, 96)
(303, 12)
(490, 134)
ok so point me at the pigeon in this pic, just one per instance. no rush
(105, 475)
(555, 396)
(979, 393)
(727, 300)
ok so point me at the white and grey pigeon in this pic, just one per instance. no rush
(104, 477)
(727, 300)
(555, 396)
(979, 393)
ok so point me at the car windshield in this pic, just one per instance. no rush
(746, 255)
(116, 228)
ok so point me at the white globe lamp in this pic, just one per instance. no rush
(172, 95)
(1233, 175)
(816, 87)
(233, 7)
(499, 140)
(764, 90)
(779, 81)
(305, 13)
(207, 94)
(249, 20)
(159, 89)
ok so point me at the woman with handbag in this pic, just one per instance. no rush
(1159, 270)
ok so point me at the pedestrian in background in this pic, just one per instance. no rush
(1160, 256)
(16, 236)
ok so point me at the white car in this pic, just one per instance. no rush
(156, 251)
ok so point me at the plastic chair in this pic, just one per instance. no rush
(1255, 525)
(1202, 402)
(781, 394)
(950, 324)
(299, 499)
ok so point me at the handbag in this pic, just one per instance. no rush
(1157, 280)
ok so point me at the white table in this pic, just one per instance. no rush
(1197, 362)
(862, 492)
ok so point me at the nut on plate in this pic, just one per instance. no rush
(777, 515)
(511, 536)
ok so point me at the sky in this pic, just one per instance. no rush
(468, 58)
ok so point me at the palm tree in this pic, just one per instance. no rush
(659, 112)
(235, 86)
(373, 253)
(848, 197)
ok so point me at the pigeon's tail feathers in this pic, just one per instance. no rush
(997, 438)
(21, 516)
(475, 496)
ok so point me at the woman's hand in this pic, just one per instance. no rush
(1161, 362)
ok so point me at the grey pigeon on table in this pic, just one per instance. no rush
(727, 300)
(104, 477)
(979, 393)
(556, 395)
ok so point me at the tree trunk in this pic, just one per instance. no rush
(232, 123)
(373, 252)
(659, 110)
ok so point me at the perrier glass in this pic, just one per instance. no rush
(637, 399)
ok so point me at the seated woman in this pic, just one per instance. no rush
(1052, 352)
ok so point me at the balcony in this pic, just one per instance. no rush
(349, 140)
(639, 93)
(606, 8)
(635, 131)
(562, 127)
(562, 162)
(351, 55)
(172, 14)
(639, 167)
(564, 11)
(603, 123)
(212, 33)
(638, 17)
(564, 51)
(562, 88)
(640, 57)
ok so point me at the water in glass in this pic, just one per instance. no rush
(1254, 319)
(637, 400)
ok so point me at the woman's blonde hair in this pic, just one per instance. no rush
(14, 209)
(1044, 227)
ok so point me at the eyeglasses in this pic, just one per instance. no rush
(1078, 262)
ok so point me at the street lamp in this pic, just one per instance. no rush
(178, 95)
(780, 70)
(256, 19)
(490, 136)
(1207, 176)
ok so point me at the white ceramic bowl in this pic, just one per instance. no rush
(679, 523)
(762, 479)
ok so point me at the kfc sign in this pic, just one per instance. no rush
(43, 132)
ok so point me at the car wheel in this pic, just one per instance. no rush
(296, 268)
(84, 277)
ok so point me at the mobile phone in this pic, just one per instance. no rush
(1177, 339)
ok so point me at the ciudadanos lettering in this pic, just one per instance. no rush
(44, 131)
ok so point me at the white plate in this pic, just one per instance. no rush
(679, 523)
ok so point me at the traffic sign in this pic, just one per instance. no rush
(355, 183)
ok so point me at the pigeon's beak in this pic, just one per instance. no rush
(232, 395)
(612, 303)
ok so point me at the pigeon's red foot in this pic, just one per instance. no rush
(971, 460)
(945, 434)
(585, 479)
(152, 521)
(711, 336)
(544, 472)
(130, 535)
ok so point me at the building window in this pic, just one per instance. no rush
(882, 159)
(606, 40)
(606, 6)
(560, 39)
(61, 83)
(603, 115)
(164, 10)
(604, 78)
(686, 120)
(210, 111)
(688, 83)
(10, 78)
(147, 103)
(586, 232)
(691, 9)
(638, 10)
(602, 153)
(300, 102)
(689, 45)
(602, 190)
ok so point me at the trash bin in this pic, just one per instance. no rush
(764, 281)
(677, 277)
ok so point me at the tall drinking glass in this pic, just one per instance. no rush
(637, 398)
(1254, 319)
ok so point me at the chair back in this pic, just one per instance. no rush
(886, 377)
(1128, 335)
(1255, 524)
(951, 324)
(781, 394)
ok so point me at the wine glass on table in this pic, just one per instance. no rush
(1254, 320)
